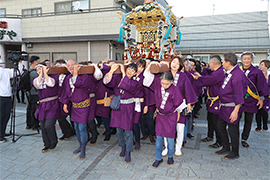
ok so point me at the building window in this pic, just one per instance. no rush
(31, 12)
(71, 6)
(2, 12)
(126, 7)
(64, 55)
(117, 56)
(204, 58)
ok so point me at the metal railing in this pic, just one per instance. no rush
(80, 11)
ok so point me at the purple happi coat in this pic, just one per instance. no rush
(149, 99)
(206, 71)
(123, 117)
(139, 94)
(101, 110)
(62, 81)
(76, 90)
(197, 90)
(92, 95)
(182, 82)
(213, 83)
(168, 103)
(266, 98)
(49, 109)
(232, 90)
(256, 82)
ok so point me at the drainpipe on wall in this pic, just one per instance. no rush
(89, 51)
(3, 54)
(111, 50)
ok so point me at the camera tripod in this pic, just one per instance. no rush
(13, 110)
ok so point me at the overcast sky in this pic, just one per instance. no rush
(189, 8)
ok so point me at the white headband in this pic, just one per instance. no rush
(39, 65)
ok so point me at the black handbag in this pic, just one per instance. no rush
(115, 102)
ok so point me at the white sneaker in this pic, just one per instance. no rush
(165, 152)
(178, 152)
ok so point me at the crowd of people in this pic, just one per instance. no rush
(136, 104)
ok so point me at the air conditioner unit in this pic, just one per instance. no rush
(120, 1)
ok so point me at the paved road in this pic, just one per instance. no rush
(24, 160)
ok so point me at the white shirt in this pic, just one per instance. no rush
(5, 76)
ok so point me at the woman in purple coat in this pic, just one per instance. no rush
(182, 82)
(125, 86)
(48, 109)
(262, 115)
(169, 103)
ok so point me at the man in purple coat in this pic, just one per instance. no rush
(76, 91)
(231, 98)
(256, 90)
(213, 83)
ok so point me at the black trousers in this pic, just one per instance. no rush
(48, 132)
(147, 124)
(31, 121)
(18, 95)
(262, 116)
(106, 122)
(6, 105)
(212, 126)
(233, 130)
(136, 132)
(65, 126)
(247, 125)
(92, 128)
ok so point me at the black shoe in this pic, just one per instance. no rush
(52, 147)
(215, 145)
(207, 139)
(196, 117)
(107, 138)
(152, 139)
(36, 128)
(222, 152)
(244, 144)
(2, 140)
(8, 135)
(113, 131)
(157, 163)
(258, 129)
(63, 138)
(93, 141)
(190, 136)
(144, 137)
(232, 156)
(45, 149)
(183, 144)
(28, 127)
(170, 161)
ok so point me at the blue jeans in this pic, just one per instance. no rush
(188, 125)
(81, 132)
(121, 138)
(159, 147)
